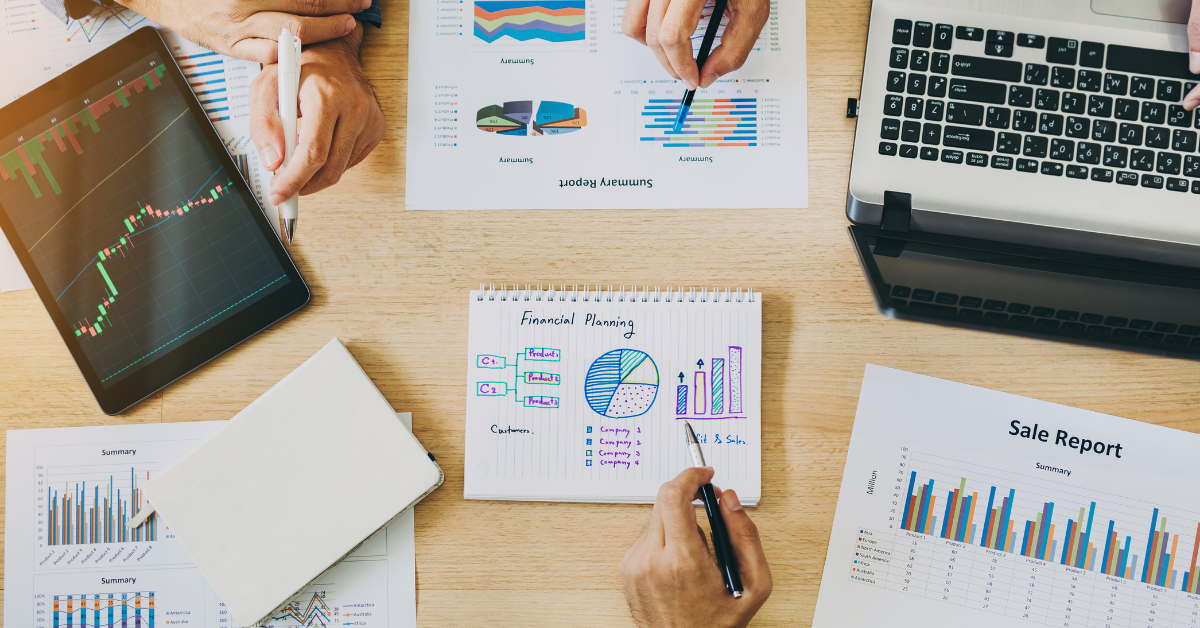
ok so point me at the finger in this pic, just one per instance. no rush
(633, 23)
(747, 546)
(310, 30)
(256, 49)
(675, 499)
(746, 21)
(314, 7)
(265, 127)
(345, 134)
(654, 18)
(312, 149)
(675, 37)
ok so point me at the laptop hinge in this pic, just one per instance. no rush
(897, 211)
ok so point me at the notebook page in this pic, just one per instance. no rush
(585, 401)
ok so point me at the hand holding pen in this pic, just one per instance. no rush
(671, 576)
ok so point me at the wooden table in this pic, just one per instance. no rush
(393, 285)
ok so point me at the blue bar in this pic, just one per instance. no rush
(912, 480)
(1125, 556)
(221, 119)
(211, 91)
(202, 54)
(191, 76)
(924, 507)
(946, 516)
(1087, 538)
(1107, 545)
(987, 523)
(209, 102)
(1185, 581)
(1025, 541)
(1067, 537)
(217, 62)
(964, 517)
(216, 110)
(1149, 546)
(1003, 537)
(1044, 533)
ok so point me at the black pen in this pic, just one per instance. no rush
(710, 35)
(726, 561)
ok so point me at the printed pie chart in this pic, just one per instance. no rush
(621, 383)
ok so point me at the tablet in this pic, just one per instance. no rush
(134, 224)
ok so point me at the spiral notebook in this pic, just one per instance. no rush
(580, 394)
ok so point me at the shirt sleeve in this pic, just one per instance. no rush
(372, 16)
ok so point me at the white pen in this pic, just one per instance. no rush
(289, 95)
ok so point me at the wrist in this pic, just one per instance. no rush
(348, 45)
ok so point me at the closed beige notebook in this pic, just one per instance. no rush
(293, 484)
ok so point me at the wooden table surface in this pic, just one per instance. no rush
(393, 285)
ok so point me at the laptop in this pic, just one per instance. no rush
(1029, 168)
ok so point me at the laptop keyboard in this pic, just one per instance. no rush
(1110, 114)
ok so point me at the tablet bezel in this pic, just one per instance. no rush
(187, 357)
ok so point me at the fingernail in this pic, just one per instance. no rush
(731, 498)
(366, 4)
(270, 157)
(349, 24)
(688, 84)
(1195, 62)
(708, 79)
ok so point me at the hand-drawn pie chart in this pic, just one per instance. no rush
(621, 383)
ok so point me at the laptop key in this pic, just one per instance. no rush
(1008, 143)
(1116, 84)
(919, 61)
(1104, 130)
(1027, 165)
(969, 33)
(984, 68)
(1103, 175)
(1050, 124)
(929, 153)
(1046, 100)
(1116, 156)
(914, 107)
(1062, 78)
(1191, 166)
(998, 49)
(890, 129)
(1002, 162)
(1126, 109)
(1025, 121)
(1153, 181)
(1077, 172)
(899, 58)
(952, 156)
(1051, 168)
(940, 63)
(1125, 178)
(1062, 51)
(1177, 185)
(1196, 190)
(1168, 163)
(977, 159)
(887, 148)
(1100, 106)
(977, 91)
(1178, 116)
(896, 81)
(1078, 127)
(1035, 146)
(1062, 150)
(893, 105)
(1141, 87)
(998, 117)
(1170, 91)
(1019, 96)
(1089, 153)
(911, 131)
(902, 32)
(963, 113)
(1037, 74)
(1154, 113)
(1073, 102)
(937, 86)
(1091, 54)
(966, 137)
(1130, 134)
(1026, 40)
(931, 134)
(1141, 159)
(1088, 81)
(922, 34)
(1158, 137)
(916, 84)
(933, 110)
(943, 36)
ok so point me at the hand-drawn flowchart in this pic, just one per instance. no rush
(522, 381)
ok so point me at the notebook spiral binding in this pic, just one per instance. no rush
(600, 294)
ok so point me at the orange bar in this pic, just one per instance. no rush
(1171, 564)
(58, 140)
(971, 517)
(929, 515)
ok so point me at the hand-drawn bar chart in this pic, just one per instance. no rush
(105, 610)
(715, 393)
(712, 122)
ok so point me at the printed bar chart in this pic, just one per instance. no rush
(715, 393)
(711, 122)
(105, 610)
(75, 521)
(205, 72)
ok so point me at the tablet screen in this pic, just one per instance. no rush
(138, 230)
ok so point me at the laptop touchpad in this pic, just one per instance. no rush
(1158, 10)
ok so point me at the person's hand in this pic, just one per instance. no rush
(670, 574)
(249, 29)
(340, 119)
(666, 26)
(1193, 30)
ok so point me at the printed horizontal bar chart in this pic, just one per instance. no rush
(711, 122)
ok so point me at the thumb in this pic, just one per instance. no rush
(747, 546)
(265, 128)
